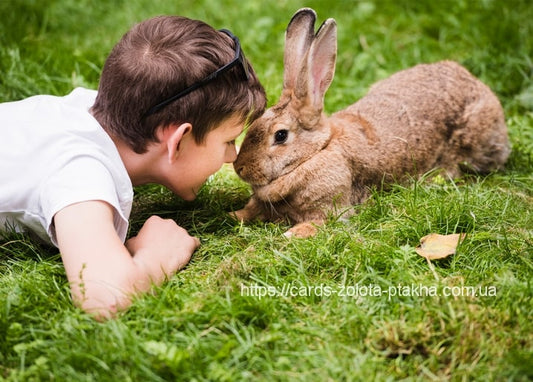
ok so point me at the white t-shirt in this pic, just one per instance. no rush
(53, 153)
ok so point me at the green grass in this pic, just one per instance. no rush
(203, 324)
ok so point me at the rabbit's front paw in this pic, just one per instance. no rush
(252, 210)
(240, 215)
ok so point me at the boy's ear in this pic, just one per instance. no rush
(172, 137)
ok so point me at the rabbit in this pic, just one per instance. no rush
(302, 164)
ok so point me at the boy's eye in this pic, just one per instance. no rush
(231, 143)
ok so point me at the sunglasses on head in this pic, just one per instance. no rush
(239, 60)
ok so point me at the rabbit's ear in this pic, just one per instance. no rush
(317, 70)
(298, 38)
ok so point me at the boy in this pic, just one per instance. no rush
(173, 96)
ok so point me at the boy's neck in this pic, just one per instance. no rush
(141, 167)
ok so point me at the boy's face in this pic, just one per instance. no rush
(196, 162)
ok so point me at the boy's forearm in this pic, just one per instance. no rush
(104, 273)
(103, 294)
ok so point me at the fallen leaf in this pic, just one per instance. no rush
(435, 246)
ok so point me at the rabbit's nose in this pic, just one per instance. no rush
(239, 168)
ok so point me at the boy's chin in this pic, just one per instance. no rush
(188, 195)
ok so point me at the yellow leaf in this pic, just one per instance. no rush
(435, 246)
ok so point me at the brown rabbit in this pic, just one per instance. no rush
(302, 164)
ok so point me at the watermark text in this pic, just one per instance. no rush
(290, 290)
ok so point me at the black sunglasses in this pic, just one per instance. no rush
(239, 59)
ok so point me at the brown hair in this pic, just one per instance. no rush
(160, 57)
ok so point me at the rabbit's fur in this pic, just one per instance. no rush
(302, 164)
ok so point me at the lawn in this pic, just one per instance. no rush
(354, 303)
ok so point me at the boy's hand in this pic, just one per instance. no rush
(161, 248)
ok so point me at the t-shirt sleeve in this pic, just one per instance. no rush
(82, 179)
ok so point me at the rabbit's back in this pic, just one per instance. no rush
(428, 116)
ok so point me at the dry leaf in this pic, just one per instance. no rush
(435, 246)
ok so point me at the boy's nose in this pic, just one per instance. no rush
(231, 154)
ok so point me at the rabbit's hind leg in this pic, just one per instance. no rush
(305, 229)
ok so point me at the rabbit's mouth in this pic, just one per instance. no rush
(251, 176)
(262, 180)
(259, 184)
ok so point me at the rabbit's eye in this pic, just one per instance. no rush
(280, 136)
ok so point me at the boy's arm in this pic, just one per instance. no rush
(102, 271)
